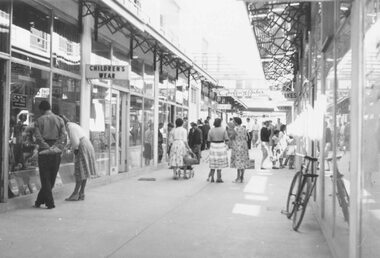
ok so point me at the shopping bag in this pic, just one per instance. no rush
(251, 164)
(190, 159)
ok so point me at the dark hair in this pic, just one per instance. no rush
(282, 128)
(44, 106)
(217, 122)
(178, 122)
(276, 131)
(237, 120)
(170, 125)
(206, 122)
(161, 124)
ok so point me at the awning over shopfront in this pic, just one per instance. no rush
(279, 28)
(126, 18)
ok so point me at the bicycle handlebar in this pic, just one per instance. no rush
(310, 158)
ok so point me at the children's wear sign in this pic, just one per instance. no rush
(111, 72)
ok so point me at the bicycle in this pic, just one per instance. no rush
(341, 191)
(301, 188)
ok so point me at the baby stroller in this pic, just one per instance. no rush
(187, 170)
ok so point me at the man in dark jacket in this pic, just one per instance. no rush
(50, 135)
(195, 140)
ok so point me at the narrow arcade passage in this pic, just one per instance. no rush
(168, 218)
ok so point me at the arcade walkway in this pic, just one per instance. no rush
(167, 218)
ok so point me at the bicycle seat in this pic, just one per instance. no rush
(310, 158)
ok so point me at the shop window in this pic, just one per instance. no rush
(148, 135)
(137, 80)
(193, 95)
(4, 26)
(149, 80)
(66, 46)
(31, 33)
(135, 131)
(120, 57)
(29, 86)
(66, 101)
(370, 172)
(99, 125)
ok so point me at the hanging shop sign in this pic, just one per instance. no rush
(290, 95)
(242, 93)
(111, 72)
(224, 106)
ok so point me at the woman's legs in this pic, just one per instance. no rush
(265, 154)
(175, 173)
(242, 175)
(82, 187)
(211, 175)
(238, 175)
(219, 176)
(75, 196)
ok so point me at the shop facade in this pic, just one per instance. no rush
(338, 93)
(43, 56)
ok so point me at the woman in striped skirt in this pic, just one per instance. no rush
(84, 164)
(218, 137)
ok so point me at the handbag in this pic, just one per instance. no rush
(251, 164)
(190, 159)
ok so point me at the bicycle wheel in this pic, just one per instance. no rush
(343, 199)
(301, 202)
(292, 194)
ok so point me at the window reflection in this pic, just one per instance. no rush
(137, 82)
(4, 26)
(66, 46)
(135, 130)
(30, 34)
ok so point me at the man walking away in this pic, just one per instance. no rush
(50, 135)
(195, 140)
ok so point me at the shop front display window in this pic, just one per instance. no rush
(29, 86)
(3, 80)
(99, 128)
(148, 136)
(4, 24)
(31, 33)
(66, 101)
(163, 118)
(66, 46)
(135, 131)
(370, 197)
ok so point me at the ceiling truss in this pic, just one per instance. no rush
(280, 29)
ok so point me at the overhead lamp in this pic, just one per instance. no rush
(267, 60)
(259, 15)
(294, 4)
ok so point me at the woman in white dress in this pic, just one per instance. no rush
(179, 147)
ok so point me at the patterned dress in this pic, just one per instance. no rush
(178, 148)
(239, 153)
(218, 149)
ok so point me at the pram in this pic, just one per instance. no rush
(187, 171)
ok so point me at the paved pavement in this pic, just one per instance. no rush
(167, 218)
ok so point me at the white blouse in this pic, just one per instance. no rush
(180, 133)
(75, 133)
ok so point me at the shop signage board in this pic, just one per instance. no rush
(290, 95)
(242, 93)
(19, 100)
(284, 108)
(224, 106)
(111, 72)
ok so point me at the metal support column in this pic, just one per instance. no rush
(156, 109)
(357, 46)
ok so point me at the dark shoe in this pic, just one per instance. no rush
(81, 197)
(212, 180)
(236, 180)
(73, 198)
(219, 181)
(274, 167)
(49, 207)
(37, 204)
